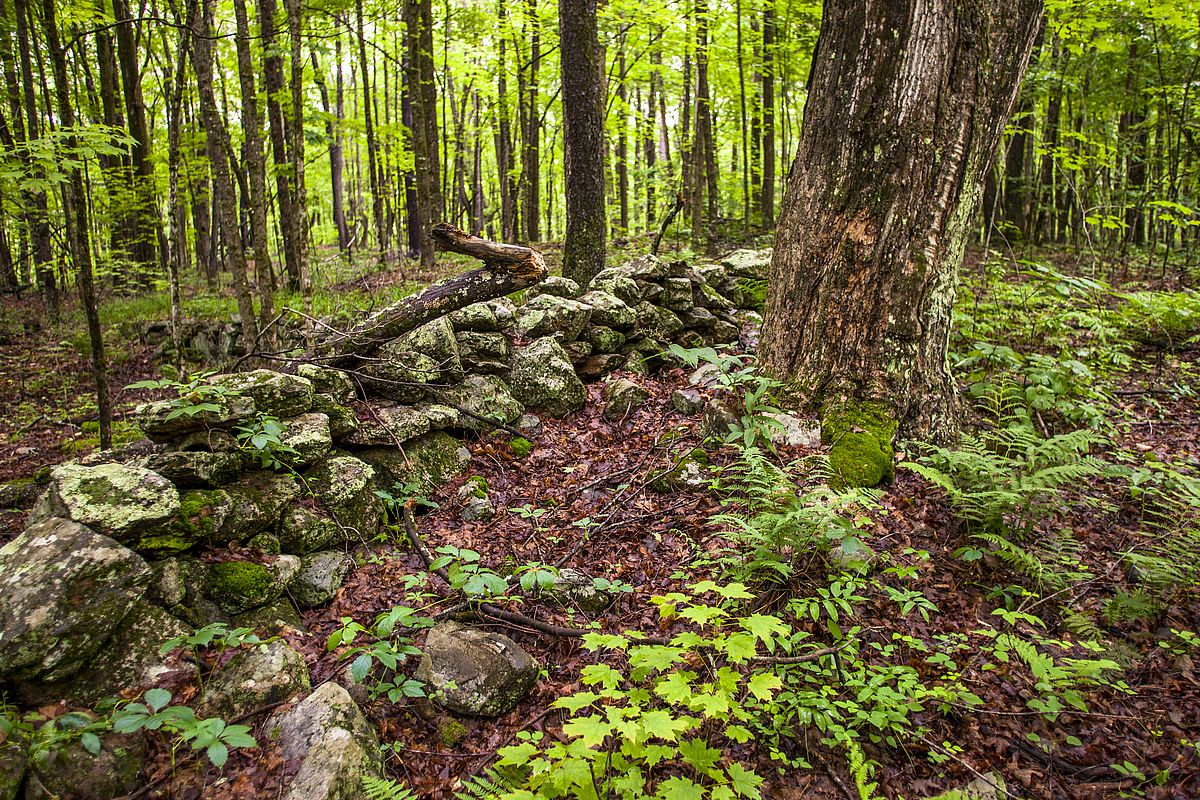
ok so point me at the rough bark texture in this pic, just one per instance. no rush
(906, 105)
(583, 140)
(506, 269)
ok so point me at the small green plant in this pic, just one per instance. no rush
(192, 396)
(262, 438)
(211, 735)
(751, 391)
(467, 574)
(377, 652)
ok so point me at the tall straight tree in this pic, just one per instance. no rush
(766, 77)
(382, 237)
(285, 189)
(583, 139)
(418, 17)
(217, 144)
(295, 23)
(79, 227)
(531, 131)
(906, 105)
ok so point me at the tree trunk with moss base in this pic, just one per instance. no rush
(906, 105)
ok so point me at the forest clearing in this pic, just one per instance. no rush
(740, 399)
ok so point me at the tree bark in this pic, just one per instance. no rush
(284, 189)
(504, 139)
(333, 132)
(906, 106)
(767, 82)
(583, 140)
(532, 130)
(295, 23)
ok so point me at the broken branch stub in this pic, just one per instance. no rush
(506, 268)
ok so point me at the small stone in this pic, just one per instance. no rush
(196, 469)
(543, 378)
(71, 771)
(548, 315)
(485, 396)
(428, 462)
(156, 421)
(707, 376)
(717, 419)
(345, 487)
(689, 473)
(698, 318)
(166, 584)
(677, 295)
(332, 382)
(603, 339)
(747, 263)
(257, 502)
(210, 441)
(255, 677)
(475, 672)
(484, 352)
(656, 322)
(687, 401)
(479, 317)
(575, 589)
(477, 505)
(13, 760)
(528, 422)
(392, 425)
(320, 576)
(303, 531)
(555, 285)
(63, 590)
(577, 351)
(436, 340)
(623, 396)
(266, 543)
(274, 393)
(712, 274)
(791, 431)
(619, 285)
(594, 367)
(18, 494)
(112, 499)
(647, 267)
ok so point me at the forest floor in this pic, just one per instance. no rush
(1133, 734)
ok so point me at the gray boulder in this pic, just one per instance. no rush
(687, 401)
(195, 469)
(603, 339)
(335, 745)
(479, 317)
(303, 531)
(13, 761)
(619, 285)
(332, 382)
(677, 294)
(309, 436)
(400, 374)
(648, 268)
(64, 589)
(428, 461)
(273, 392)
(257, 502)
(71, 771)
(656, 322)
(238, 586)
(255, 677)
(319, 578)
(345, 487)
(484, 352)
(555, 285)
(747, 263)
(791, 431)
(112, 499)
(547, 315)
(622, 396)
(389, 425)
(485, 396)
(476, 503)
(609, 310)
(436, 340)
(575, 589)
(160, 421)
(543, 378)
(475, 672)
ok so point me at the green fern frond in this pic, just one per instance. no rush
(384, 789)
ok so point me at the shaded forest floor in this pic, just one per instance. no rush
(1133, 731)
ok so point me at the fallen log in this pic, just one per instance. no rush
(506, 269)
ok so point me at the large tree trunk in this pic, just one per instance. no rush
(423, 85)
(583, 140)
(285, 192)
(906, 106)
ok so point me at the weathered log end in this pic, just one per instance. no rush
(523, 263)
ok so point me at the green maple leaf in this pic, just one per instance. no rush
(680, 789)
(700, 756)
(765, 627)
(664, 724)
(576, 701)
(676, 687)
(744, 781)
(763, 685)
(591, 731)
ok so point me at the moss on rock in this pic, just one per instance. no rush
(859, 434)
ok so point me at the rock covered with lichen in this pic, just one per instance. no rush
(475, 672)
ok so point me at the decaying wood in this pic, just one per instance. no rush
(506, 268)
(666, 223)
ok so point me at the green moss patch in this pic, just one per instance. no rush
(859, 434)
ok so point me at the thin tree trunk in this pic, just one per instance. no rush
(381, 230)
(741, 68)
(37, 213)
(622, 110)
(532, 131)
(333, 132)
(284, 189)
(767, 81)
(504, 141)
(295, 23)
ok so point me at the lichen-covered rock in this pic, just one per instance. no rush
(257, 502)
(343, 422)
(687, 401)
(485, 396)
(547, 315)
(266, 543)
(238, 586)
(319, 578)
(273, 392)
(436, 340)
(160, 421)
(698, 318)
(112, 499)
(747, 263)
(717, 420)
(609, 310)
(272, 619)
(345, 487)
(788, 430)
(209, 441)
(574, 589)
(860, 435)
(555, 285)
(577, 351)
(476, 503)
(332, 382)
(647, 267)
(712, 299)
(302, 531)
(712, 274)
(196, 469)
(254, 678)
(335, 745)
(128, 660)
(689, 472)
(309, 436)
(598, 366)
(71, 771)
(623, 396)
(202, 516)
(656, 322)
(475, 672)
(20, 493)
(63, 590)
(400, 374)
(543, 378)
(389, 425)
(484, 352)
(677, 294)
(478, 317)
(428, 461)
(603, 339)
(166, 587)
(619, 285)
(13, 761)
(723, 332)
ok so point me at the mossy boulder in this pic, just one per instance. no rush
(112, 499)
(13, 761)
(273, 392)
(309, 436)
(257, 502)
(547, 315)
(484, 352)
(436, 340)
(475, 672)
(622, 396)
(656, 322)
(859, 434)
(238, 586)
(689, 472)
(543, 378)
(609, 310)
(303, 530)
(428, 461)
(332, 382)
(195, 469)
(619, 284)
(603, 339)
(478, 317)
(555, 286)
(271, 619)
(389, 425)
(400, 374)
(71, 771)
(319, 578)
(20, 493)
(747, 263)
(647, 268)
(331, 740)
(485, 396)
(64, 589)
(345, 487)
(255, 677)
(202, 516)
(343, 422)
(162, 420)
(575, 589)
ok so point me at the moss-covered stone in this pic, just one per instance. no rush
(520, 446)
(859, 434)
(345, 487)
(343, 422)
(689, 473)
(309, 436)
(484, 352)
(238, 586)
(451, 732)
(271, 619)
(543, 378)
(112, 499)
(303, 530)
(71, 771)
(257, 502)
(332, 382)
(436, 340)
(428, 461)
(485, 396)
(13, 761)
(254, 678)
(386, 425)
(400, 374)
(272, 392)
